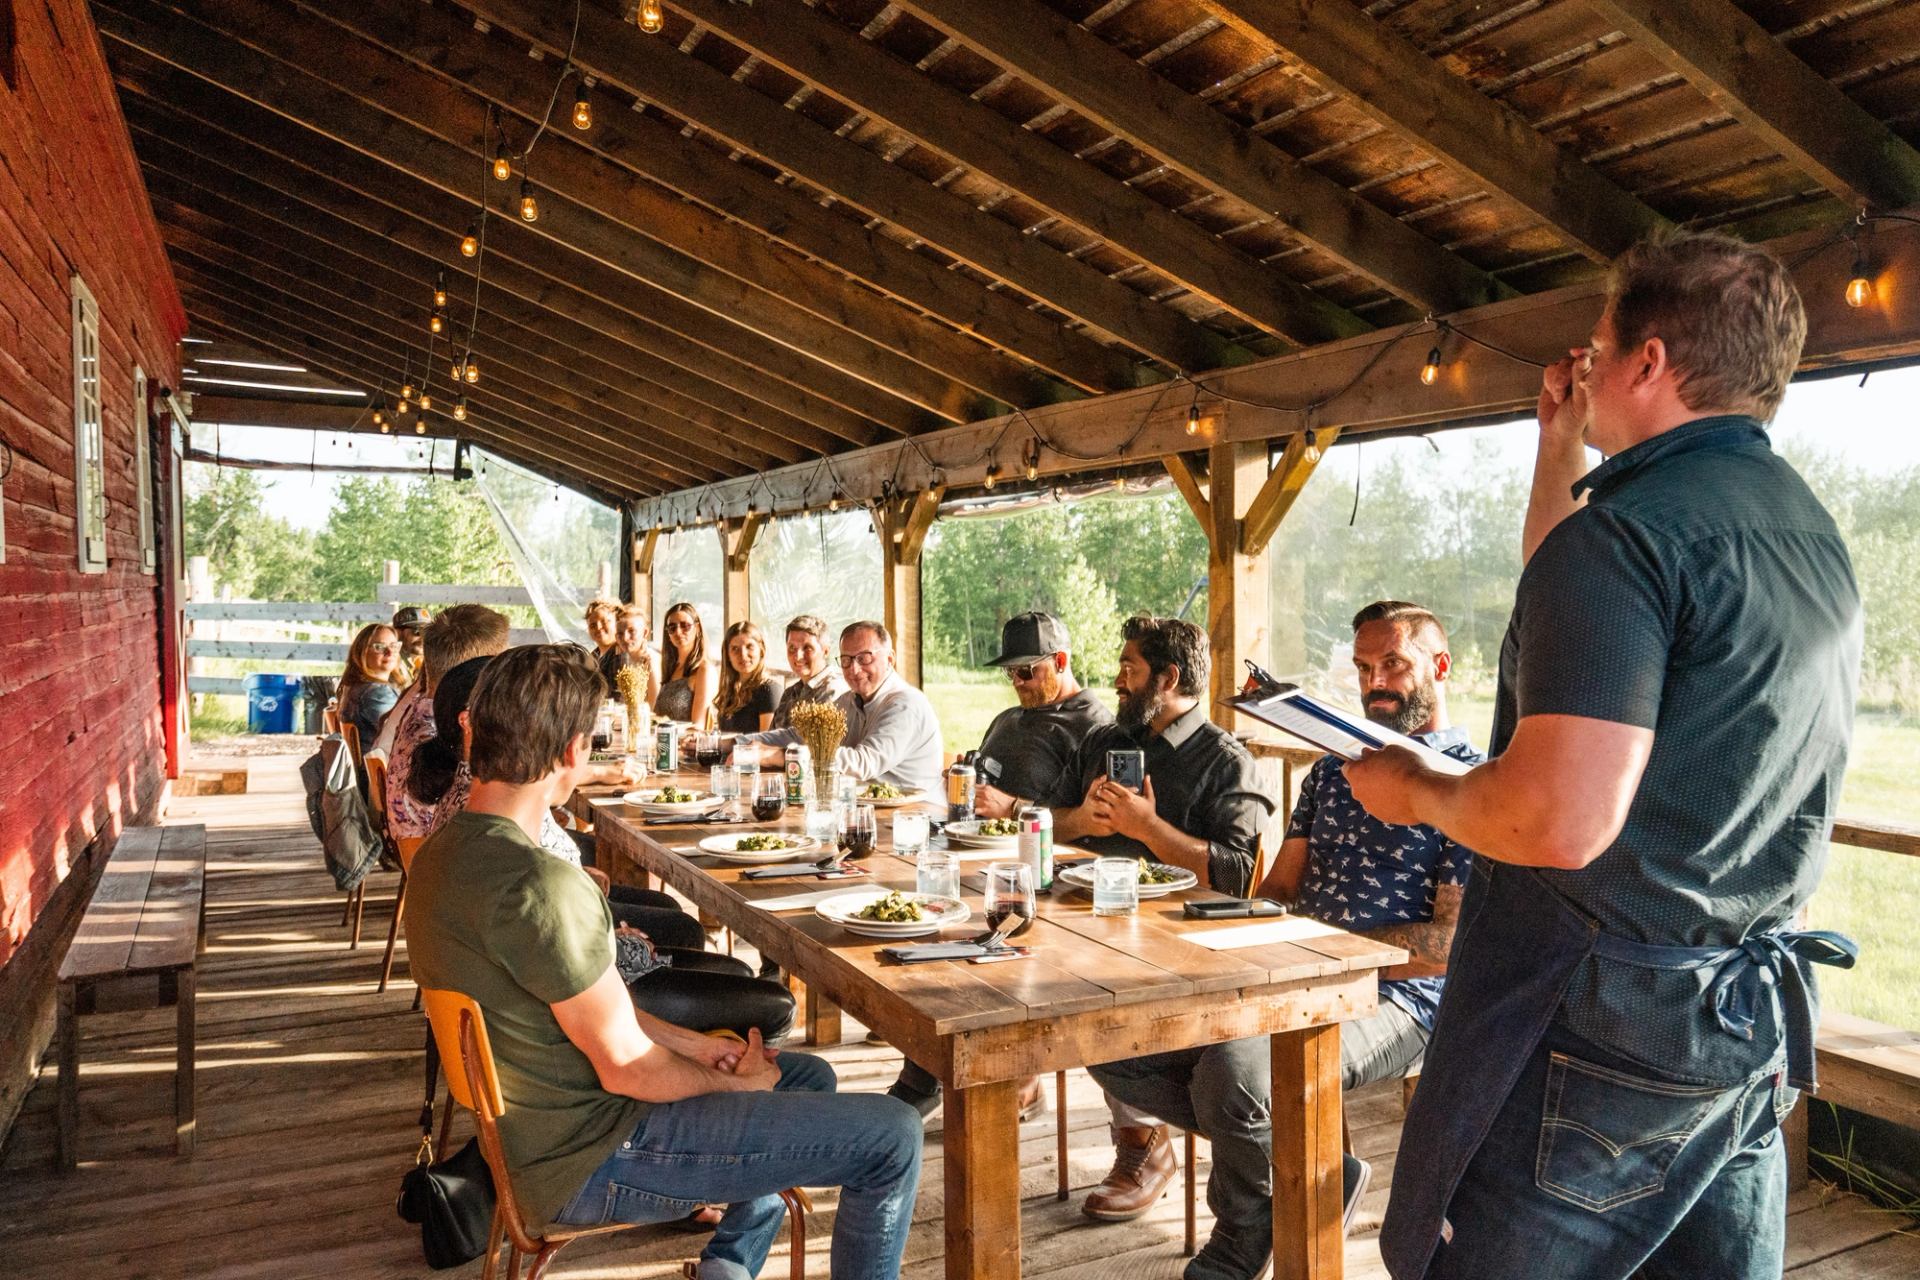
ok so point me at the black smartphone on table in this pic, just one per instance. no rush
(1128, 769)
(1233, 908)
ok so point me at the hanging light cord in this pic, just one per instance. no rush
(566, 68)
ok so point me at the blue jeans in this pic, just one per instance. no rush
(743, 1149)
(1598, 1170)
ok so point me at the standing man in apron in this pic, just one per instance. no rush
(1629, 1008)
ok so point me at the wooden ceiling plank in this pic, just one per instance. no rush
(811, 46)
(1110, 88)
(1734, 62)
(223, 302)
(679, 450)
(1394, 82)
(501, 436)
(403, 137)
(708, 435)
(300, 168)
(262, 411)
(621, 54)
(435, 40)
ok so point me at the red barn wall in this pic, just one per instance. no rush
(81, 749)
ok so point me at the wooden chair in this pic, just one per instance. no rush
(460, 1031)
(404, 848)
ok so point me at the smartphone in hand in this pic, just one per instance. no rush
(1128, 769)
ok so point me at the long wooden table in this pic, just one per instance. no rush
(1097, 989)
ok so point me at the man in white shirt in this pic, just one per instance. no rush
(892, 733)
(816, 677)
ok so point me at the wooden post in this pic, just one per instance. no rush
(1307, 1242)
(737, 537)
(391, 574)
(1236, 582)
(644, 546)
(605, 587)
(902, 524)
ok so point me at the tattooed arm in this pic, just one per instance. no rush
(1426, 943)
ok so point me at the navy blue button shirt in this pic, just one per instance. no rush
(1363, 873)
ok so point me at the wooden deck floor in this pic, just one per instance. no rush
(309, 1082)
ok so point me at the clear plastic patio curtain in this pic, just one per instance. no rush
(559, 540)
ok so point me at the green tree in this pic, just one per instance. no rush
(255, 553)
(362, 531)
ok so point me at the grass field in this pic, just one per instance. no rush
(1869, 895)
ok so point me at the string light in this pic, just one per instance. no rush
(380, 418)
(1033, 465)
(471, 374)
(502, 166)
(436, 322)
(460, 411)
(529, 211)
(1430, 371)
(459, 371)
(420, 427)
(385, 426)
(400, 409)
(426, 402)
(652, 17)
(1859, 288)
(582, 109)
(440, 289)
(1193, 416)
(406, 390)
(993, 475)
(470, 242)
(833, 503)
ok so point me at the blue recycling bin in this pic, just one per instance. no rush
(270, 703)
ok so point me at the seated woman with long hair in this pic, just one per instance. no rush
(658, 946)
(366, 691)
(686, 681)
(748, 694)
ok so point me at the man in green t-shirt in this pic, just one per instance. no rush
(612, 1114)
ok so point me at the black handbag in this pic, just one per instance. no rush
(451, 1199)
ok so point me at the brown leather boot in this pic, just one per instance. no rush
(1143, 1165)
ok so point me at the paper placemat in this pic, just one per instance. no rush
(794, 901)
(1291, 929)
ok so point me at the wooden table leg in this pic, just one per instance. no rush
(1307, 1243)
(982, 1139)
(823, 1018)
(67, 1101)
(183, 1117)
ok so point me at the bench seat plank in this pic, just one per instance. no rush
(169, 929)
(104, 939)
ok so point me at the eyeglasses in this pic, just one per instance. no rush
(1027, 671)
(383, 648)
(864, 661)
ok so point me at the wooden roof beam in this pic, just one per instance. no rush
(1744, 71)
(1108, 87)
(414, 130)
(1392, 80)
(296, 415)
(223, 295)
(440, 42)
(1282, 487)
(621, 54)
(246, 150)
(812, 47)
(216, 304)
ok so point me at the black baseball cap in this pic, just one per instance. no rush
(411, 618)
(1029, 637)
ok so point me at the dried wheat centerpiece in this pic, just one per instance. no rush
(631, 685)
(822, 728)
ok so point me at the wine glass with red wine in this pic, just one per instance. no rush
(769, 797)
(861, 832)
(1009, 898)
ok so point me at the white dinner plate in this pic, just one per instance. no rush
(966, 835)
(897, 802)
(1081, 877)
(842, 909)
(726, 847)
(701, 803)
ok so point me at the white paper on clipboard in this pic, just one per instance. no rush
(1333, 730)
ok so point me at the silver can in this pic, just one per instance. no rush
(1036, 843)
(960, 786)
(666, 756)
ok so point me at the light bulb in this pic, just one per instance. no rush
(440, 290)
(1431, 370)
(385, 427)
(472, 374)
(993, 476)
(1193, 421)
(528, 209)
(502, 167)
(652, 17)
(1859, 289)
(379, 417)
(400, 409)
(459, 370)
(1033, 468)
(470, 242)
(436, 322)
(420, 427)
(460, 409)
(582, 109)
(426, 402)
(833, 503)
(406, 391)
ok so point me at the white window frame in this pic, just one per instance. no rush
(143, 471)
(89, 435)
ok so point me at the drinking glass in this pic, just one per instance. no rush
(1009, 897)
(823, 823)
(1116, 886)
(862, 831)
(723, 782)
(769, 797)
(937, 871)
(746, 777)
(910, 829)
(706, 749)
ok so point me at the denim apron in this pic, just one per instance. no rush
(1517, 947)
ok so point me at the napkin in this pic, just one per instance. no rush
(794, 901)
(1291, 929)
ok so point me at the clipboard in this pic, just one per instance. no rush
(1334, 730)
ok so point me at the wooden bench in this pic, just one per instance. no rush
(1865, 1066)
(148, 916)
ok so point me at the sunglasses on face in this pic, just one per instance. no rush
(1027, 671)
(679, 626)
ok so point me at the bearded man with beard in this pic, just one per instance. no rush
(1029, 747)
(1338, 864)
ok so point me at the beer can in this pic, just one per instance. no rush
(1036, 843)
(796, 762)
(960, 785)
(666, 756)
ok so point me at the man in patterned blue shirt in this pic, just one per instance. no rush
(1338, 864)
